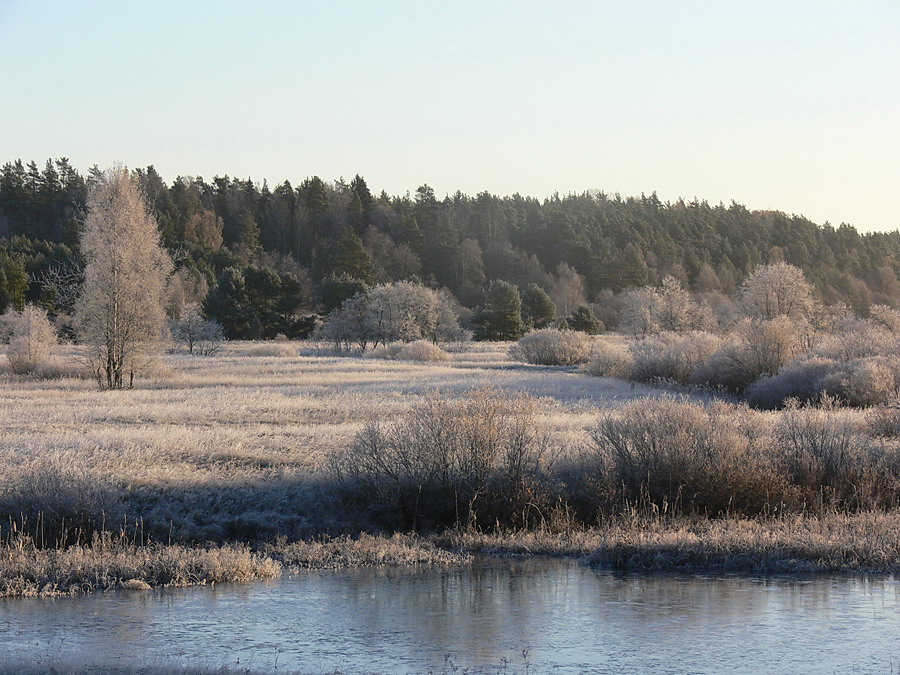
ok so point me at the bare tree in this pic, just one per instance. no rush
(676, 310)
(402, 311)
(567, 290)
(120, 313)
(639, 312)
(32, 339)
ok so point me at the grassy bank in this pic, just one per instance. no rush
(108, 564)
(833, 543)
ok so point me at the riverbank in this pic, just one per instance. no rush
(867, 543)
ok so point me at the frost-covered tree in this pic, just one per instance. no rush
(120, 314)
(197, 333)
(776, 290)
(676, 311)
(33, 336)
(567, 290)
(398, 312)
(639, 311)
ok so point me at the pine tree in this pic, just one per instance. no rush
(538, 310)
(501, 316)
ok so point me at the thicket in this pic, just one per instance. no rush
(484, 460)
(479, 460)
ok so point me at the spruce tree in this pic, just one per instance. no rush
(501, 316)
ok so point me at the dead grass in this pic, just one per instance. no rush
(832, 543)
(365, 551)
(110, 563)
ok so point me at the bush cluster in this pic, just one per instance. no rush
(481, 459)
(553, 347)
(767, 362)
(478, 459)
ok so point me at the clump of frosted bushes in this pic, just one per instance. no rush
(419, 350)
(552, 347)
(682, 456)
(478, 459)
(767, 361)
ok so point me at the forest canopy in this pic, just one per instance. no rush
(311, 244)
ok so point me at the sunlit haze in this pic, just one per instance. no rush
(779, 105)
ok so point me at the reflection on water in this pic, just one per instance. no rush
(511, 616)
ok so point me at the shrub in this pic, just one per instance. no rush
(672, 356)
(474, 459)
(855, 338)
(57, 499)
(420, 350)
(32, 340)
(861, 382)
(884, 420)
(197, 334)
(754, 349)
(680, 455)
(864, 382)
(801, 379)
(609, 359)
(552, 347)
(831, 461)
(272, 349)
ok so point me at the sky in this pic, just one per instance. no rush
(791, 105)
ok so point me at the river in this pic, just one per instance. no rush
(498, 616)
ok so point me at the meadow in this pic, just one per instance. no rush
(229, 458)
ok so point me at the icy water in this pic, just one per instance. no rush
(502, 616)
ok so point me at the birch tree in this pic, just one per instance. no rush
(120, 314)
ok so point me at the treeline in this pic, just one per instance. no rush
(307, 247)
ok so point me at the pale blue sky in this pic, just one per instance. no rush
(793, 105)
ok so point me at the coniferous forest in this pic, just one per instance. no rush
(280, 254)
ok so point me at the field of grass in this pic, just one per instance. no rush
(233, 446)
(233, 449)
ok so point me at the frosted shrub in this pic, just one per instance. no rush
(420, 350)
(885, 317)
(196, 333)
(856, 338)
(552, 347)
(58, 497)
(672, 356)
(32, 340)
(754, 349)
(884, 420)
(861, 382)
(471, 459)
(864, 382)
(683, 455)
(801, 379)
(609, 359)
(271, 349)
(831, 462)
